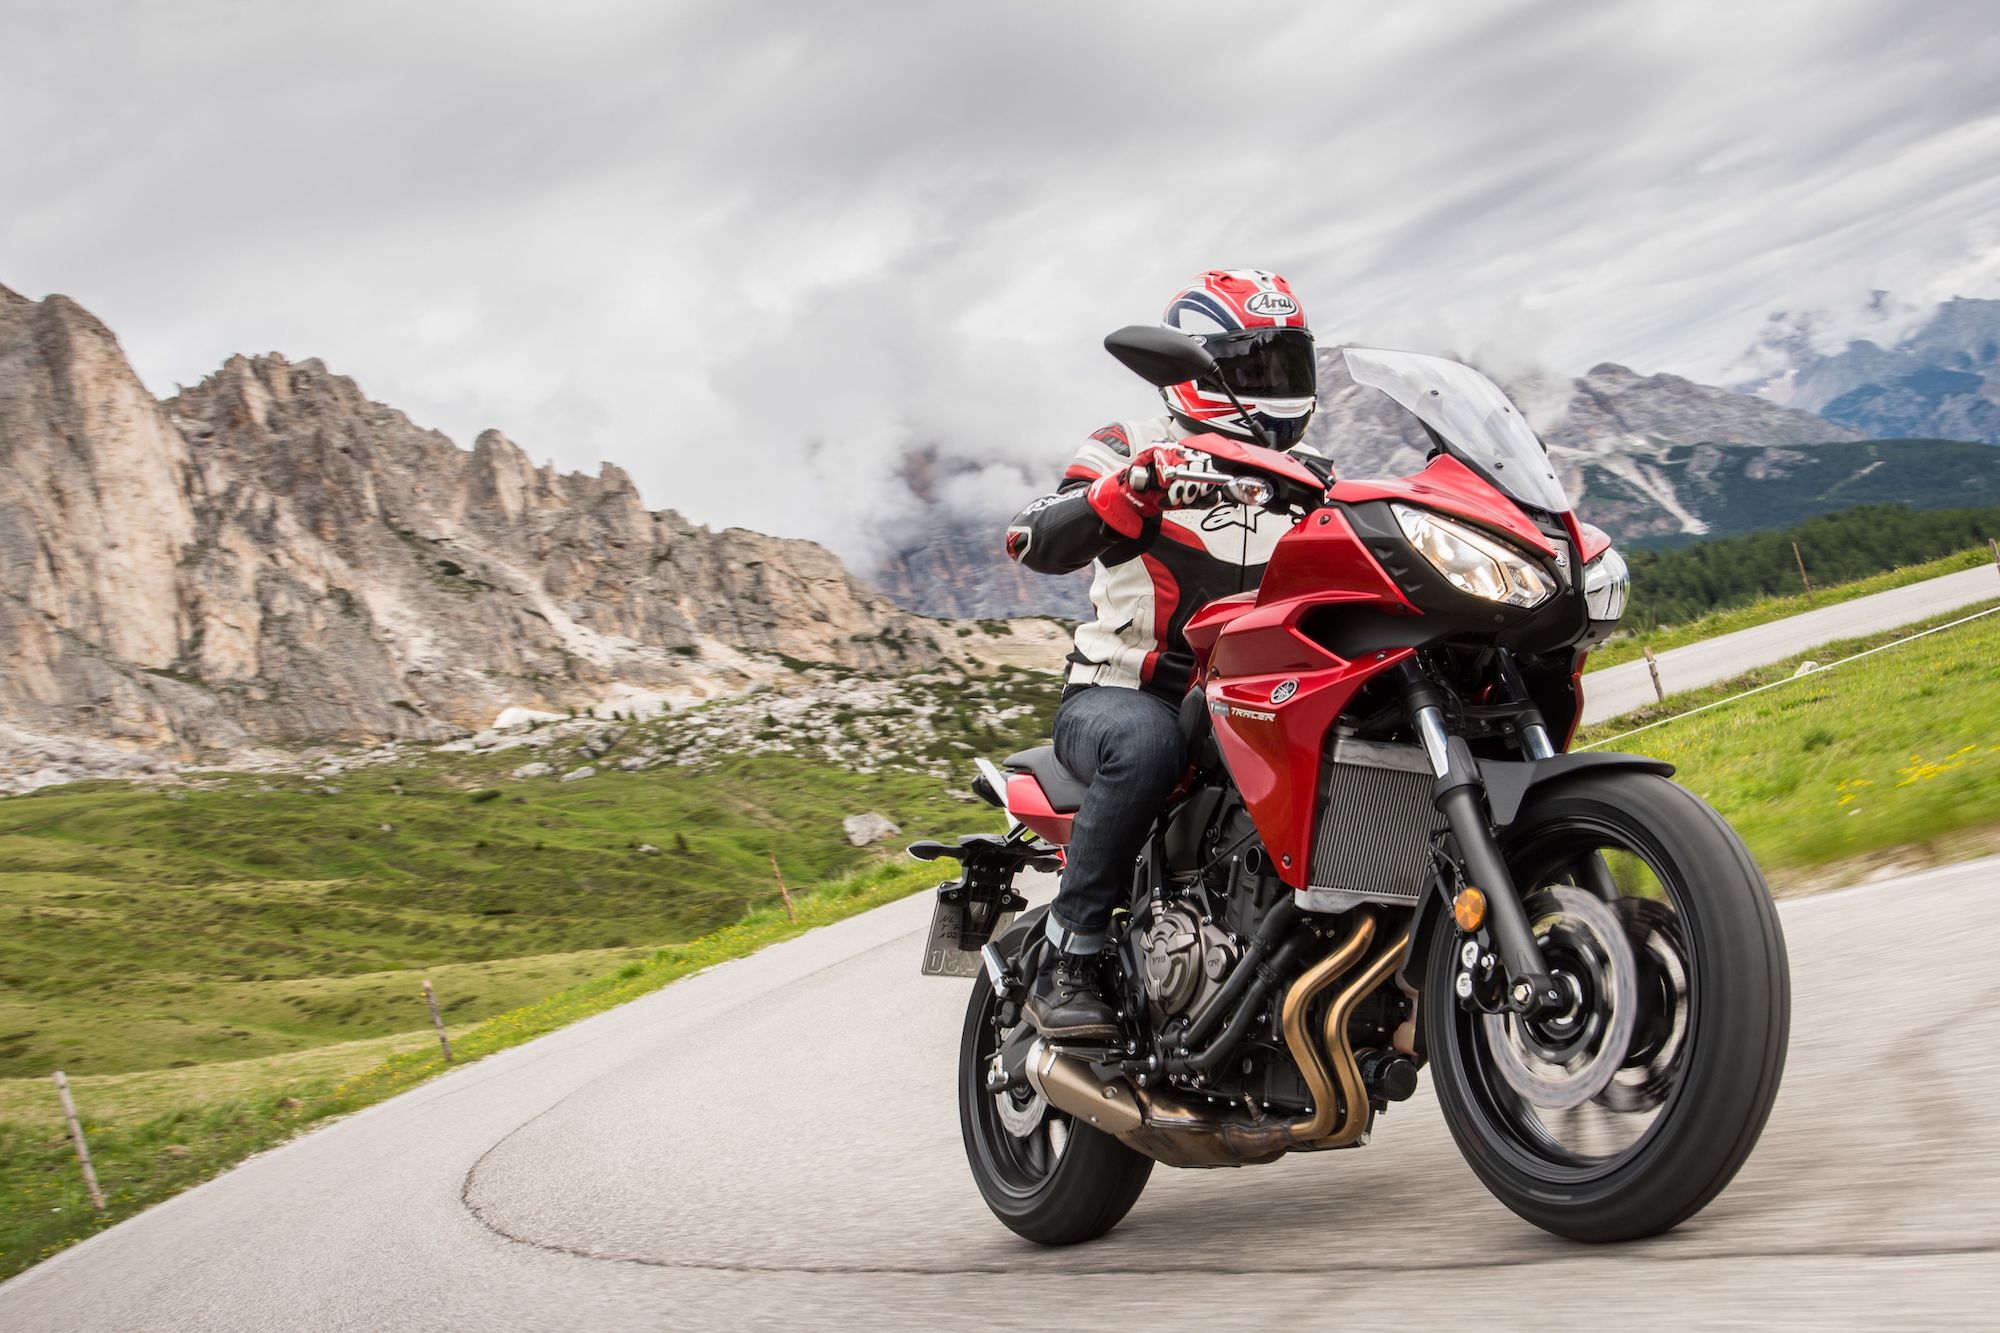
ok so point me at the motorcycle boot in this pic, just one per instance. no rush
(1066, 1002)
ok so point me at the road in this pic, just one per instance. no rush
(1622, 688)
(777, 1139)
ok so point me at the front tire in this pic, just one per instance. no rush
(1698, 1059)
(1057, 1183)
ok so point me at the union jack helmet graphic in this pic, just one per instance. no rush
(1256, 330)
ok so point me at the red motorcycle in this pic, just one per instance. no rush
(1385, 858)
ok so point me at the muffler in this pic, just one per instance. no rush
(1069, 1085)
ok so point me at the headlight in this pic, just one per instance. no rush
(1473, 562)
(1605, 583)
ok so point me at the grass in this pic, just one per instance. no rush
(151, 1138)
(1899, 749)
(1625, 649)
(149, 927)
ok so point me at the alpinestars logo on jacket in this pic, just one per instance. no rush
(1146, 588)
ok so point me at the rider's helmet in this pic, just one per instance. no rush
(1255, 329)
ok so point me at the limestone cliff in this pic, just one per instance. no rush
(272, 557)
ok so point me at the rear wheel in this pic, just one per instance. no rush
(1625, 1113)
(1044, 1176)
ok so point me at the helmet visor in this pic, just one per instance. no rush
(1265, 363)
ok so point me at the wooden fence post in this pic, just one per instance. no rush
(1802, 574)
(76, 1137)
(437, 1020)
(790, 915)
(1653, 666)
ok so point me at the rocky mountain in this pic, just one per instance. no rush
(1621, 441)
(1940, 382)
(271, 557)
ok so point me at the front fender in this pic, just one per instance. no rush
(1507, 782)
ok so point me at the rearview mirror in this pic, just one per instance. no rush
(1158, 355)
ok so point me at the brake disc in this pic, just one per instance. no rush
(1660, 1030)
(1563, 1060)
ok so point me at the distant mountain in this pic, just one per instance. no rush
(1642, 455)
(1612, 433)
(1941, 382)
(953, 565)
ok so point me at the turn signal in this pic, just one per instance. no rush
(1468, 909)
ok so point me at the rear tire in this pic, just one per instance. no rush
(1078, 1185)
(1702, 1067)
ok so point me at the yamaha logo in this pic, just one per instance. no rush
(1272, 305)
(1285, 689)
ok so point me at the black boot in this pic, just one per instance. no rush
(1066, 1004)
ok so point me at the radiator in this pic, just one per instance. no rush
(1375, 824)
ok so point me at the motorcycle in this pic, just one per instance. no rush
(1384, 858)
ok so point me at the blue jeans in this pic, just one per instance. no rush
(1126, 744)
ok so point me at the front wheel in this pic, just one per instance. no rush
(1046, 1177)
(1625, 1113)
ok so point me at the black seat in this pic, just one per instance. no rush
(1063, 788)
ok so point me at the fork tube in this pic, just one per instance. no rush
(1534, 732)
(1460, 798)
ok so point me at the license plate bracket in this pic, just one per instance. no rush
(975, 907)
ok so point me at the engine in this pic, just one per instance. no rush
(1187, 959)
(1193, 942)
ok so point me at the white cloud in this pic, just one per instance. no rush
(755, 255)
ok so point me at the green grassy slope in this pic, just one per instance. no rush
(150, 927)
(247, 916)
(1898, 749)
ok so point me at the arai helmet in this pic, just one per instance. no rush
(1255, 329)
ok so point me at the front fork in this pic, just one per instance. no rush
(1461, 798)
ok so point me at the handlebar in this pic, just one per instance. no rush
(1252, 491)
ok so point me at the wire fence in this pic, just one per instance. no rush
(1813, 669)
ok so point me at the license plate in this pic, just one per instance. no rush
(942, 956)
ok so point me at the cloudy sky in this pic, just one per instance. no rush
(755, 253)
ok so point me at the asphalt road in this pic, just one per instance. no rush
(777, 1139)
(1622, 688)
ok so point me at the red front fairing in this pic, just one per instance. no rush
(1273, 749)
(1255, 649)
(1451, 487)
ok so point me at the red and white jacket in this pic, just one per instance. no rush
(1146, 588)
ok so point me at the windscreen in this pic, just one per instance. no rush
(1468, 411)
(1265, 363)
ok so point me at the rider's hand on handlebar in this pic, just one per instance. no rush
(1125, 499)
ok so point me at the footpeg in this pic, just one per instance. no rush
(1005, 984)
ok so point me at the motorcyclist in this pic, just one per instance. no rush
(1156, 564)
